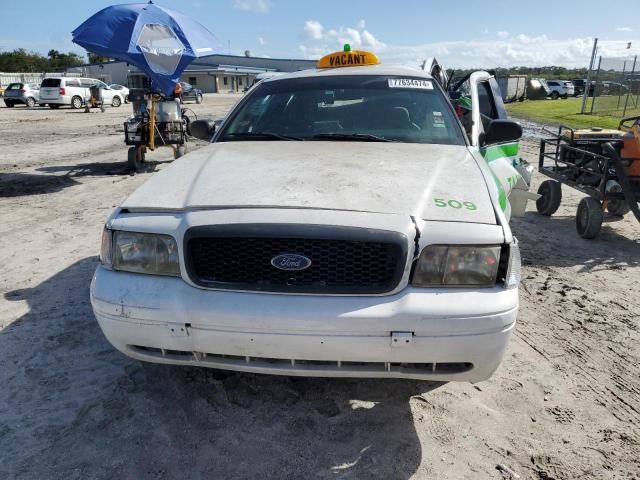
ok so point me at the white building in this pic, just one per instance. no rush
(211, 74)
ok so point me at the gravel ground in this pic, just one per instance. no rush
(564, 404)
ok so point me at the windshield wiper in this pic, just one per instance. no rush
(358, 137)
(260, 136)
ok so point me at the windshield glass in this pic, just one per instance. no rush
(359, 108)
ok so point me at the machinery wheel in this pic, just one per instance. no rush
(617, 207)
(551, 197)
(76, 102)
(555, 95)
(135, 162)
(31, 102)
(116, 102)
(199, 98)
(180, 151)
(589, 218)
(53, 106)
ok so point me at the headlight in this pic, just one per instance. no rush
(457, 266)
(141, 253)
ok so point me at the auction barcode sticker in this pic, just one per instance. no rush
(410, 83)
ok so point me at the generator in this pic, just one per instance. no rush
(156, 122)
(602, 163)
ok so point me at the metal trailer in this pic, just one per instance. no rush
(156, 122)
(603, 164)
(513, 88)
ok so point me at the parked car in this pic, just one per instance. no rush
(121, 89)
(340, 224)
(59, 91)
(189, 92)
(25, 93)
(615, 88)
(560, 89)
(578, 86)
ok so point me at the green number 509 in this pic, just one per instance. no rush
(444, 203)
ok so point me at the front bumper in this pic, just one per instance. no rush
(436, 334)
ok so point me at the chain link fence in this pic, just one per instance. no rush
(614, 89)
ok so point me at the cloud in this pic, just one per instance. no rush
(503, 34)
(624, 29)
(257, 6)
(484, 52)
(262, 41)
(313, 30)
(358, 37)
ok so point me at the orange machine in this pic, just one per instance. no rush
(631, 150)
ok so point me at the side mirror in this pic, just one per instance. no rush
(202, 129)
(501, 131)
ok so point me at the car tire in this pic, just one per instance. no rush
(76, 103)
(30, 102)
(8, 104)
(199, 98)
(550, 193)
(126, 99)
(116, 102)
(53, 106)
(554, 95)
(589, 218)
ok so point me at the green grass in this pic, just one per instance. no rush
(566, 112)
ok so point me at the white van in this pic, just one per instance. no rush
(57, 91)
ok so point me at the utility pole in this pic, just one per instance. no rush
(588, 82)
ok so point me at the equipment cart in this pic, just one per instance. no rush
(156, 122)
(603, 164)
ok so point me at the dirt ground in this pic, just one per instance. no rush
(564, 404)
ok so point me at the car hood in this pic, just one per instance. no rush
(431, 182)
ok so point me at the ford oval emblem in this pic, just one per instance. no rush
(291, 262)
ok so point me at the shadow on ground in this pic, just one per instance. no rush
(547, 245)
(73, 407)
(57, 178)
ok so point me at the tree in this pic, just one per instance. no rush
(20, 60)
(61, 61)
(95, 58)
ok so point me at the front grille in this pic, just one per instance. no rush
(343, 260)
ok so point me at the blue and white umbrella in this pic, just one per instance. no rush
(159, 41)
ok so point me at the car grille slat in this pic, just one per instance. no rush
(357, 265)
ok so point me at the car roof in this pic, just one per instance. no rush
(347, 71)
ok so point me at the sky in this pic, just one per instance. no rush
(461, 34)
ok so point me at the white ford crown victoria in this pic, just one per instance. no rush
(342, 223)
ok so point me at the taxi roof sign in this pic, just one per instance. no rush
(348, 58)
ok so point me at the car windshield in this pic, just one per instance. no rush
(14, 86)
(346, 108)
